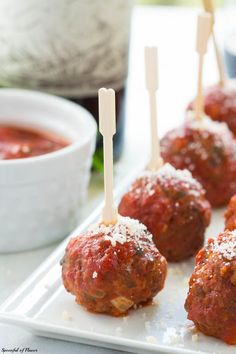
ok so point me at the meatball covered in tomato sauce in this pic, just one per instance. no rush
(111, 269)
(211, 300)
(230, 214)
(220, 105)
(173, 207)
(208, 150)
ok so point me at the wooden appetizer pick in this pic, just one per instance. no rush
(204, 27)
(152, 86)
(209, 7)
(107, 127)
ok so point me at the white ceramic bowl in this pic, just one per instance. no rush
(40, 196)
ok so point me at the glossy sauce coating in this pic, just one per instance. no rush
(211, 300)
(209, 152)
(17, 142)
(113, 269)
(220, 105)
(173, 207)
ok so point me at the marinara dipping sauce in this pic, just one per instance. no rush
(18, 142)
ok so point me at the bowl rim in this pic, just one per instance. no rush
(63, 152)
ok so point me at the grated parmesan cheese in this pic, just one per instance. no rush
(66, 316)
(151, 339)
(125, 230)
(165, 174)
(95, 274)
(15, 149)
(195, 337)
(25, 149)
(207, 124)
(227, 248)
(168, 171)
(116, 237)
(171, 336)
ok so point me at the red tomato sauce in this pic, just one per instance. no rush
(19, 142)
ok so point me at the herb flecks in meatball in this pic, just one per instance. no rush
(111, 269)
(211, 300)
(208, 150)
(220, 105)
(173, 207)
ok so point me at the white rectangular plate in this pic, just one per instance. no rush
(42, 306)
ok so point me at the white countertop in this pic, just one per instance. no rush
(173, 30)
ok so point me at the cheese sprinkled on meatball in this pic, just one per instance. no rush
(125, 230)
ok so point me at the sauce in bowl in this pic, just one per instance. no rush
(18, 142)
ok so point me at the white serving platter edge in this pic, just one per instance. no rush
(42, 306)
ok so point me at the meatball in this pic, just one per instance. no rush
(220, 105)
(230, 215)
(211, 300)
(173, 207)
(208, 150)
(111, 269)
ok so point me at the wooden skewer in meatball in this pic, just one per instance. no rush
(170, 203)
(219, 101)
(115, 265)
(111, 269)
(207, 149)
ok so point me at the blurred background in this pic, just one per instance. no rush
(71, 49)
(176, 2)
